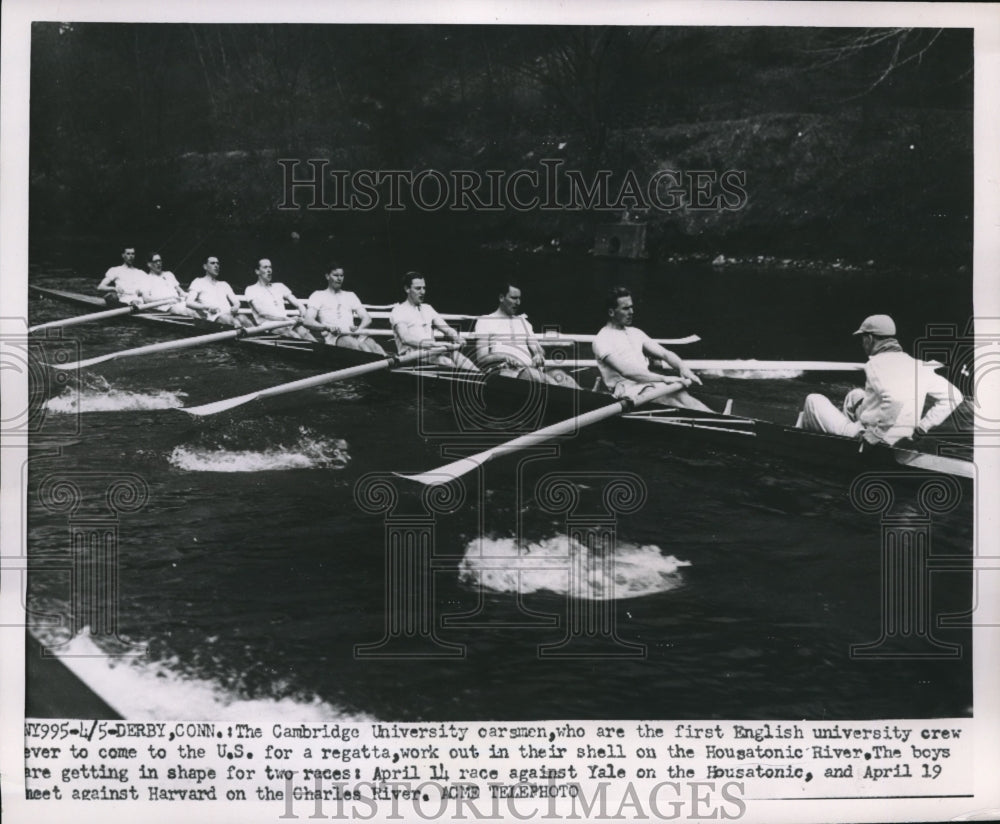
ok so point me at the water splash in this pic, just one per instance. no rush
(113, 400)
(139, 690)
(309, 451)
(502, 565)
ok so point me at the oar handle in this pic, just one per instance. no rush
(144, 307)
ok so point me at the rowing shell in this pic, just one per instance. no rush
(951, 456)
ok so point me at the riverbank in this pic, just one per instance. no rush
(853, 187)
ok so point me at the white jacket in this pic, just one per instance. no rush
(896, 391)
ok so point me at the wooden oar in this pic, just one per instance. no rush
(185, 343)
(463, 466)
(544, 340)
(107, 313)
(738, 365)
(378, 314)
(547, 338)
(316, 380)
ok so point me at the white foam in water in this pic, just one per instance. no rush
(139, 690)
(308, 453)
(501, 565)
(113, 400)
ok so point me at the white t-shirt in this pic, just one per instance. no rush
(127, 280)
(163, 285)
(418, 321)
(214, 293)
(626, 344)
(511, 332)
(268, 301)
(336, 309)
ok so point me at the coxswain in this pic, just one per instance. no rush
(505, 341)
(338, 316)
(267, 302)
(214, 299)
(414, 322)
(897, 389)
(623, 354)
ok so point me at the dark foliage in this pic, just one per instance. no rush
(134, 125)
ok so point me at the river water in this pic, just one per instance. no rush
(252, 568)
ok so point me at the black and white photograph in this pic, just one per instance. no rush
(437, 413)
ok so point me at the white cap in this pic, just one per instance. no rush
(881, 325)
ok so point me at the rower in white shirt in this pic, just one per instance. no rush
(414, 322)
(161, 284)
(214, 299)
(623, 354)
(506, 341)
(121, 284)
(338, 316)
(267, 302)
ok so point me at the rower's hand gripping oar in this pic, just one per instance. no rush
(463, 466)
(184, 343)
(316, 380)
(107, 313)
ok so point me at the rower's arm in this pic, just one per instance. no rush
(192, 301)
(107, 284)
(259, 312)
(485, 356)
(537, 353)
(945, 398)
(483, 342)
(299, 306)
(364, 319)
(405, 332)
(437, 322)
(311, 319)
(626, 369)
(266, 315)
(654, 350)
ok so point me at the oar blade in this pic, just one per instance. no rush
(570, 426)
(174, 345)
(316, 380)
(88, 318)
(118, 311)
(216, 407)
(445, 474)
(83, 364)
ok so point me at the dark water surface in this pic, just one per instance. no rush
(252, 573)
